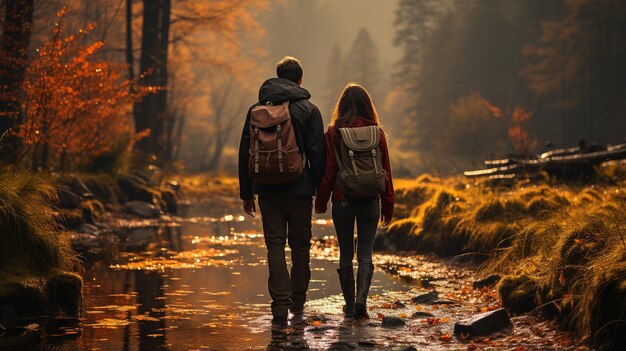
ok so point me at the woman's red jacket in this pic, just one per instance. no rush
(329, 178)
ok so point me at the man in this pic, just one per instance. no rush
(286, 207)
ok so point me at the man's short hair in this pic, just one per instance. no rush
(289, 68)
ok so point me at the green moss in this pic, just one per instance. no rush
(64, 290)
(518, 293)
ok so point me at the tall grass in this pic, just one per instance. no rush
(562, 249)
(32, 246)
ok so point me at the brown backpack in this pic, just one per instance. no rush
(359, 159)
(274, 154)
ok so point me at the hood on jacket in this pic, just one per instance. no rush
(279, 90)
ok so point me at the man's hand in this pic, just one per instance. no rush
(249, 207)
(385, 219)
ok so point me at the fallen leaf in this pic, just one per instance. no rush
(445, 337)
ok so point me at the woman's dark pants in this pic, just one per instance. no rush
(365, 213)
(287, 219)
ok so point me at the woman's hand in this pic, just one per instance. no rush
(386, 219)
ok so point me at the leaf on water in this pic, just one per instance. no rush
(145, 317)
(32, 326)
(445, 338)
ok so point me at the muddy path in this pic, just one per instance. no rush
(197, 281)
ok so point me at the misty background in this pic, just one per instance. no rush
(454, 82)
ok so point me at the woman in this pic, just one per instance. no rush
(354, 109)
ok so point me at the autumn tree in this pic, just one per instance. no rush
(74, 106)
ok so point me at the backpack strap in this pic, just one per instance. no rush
(256, 149)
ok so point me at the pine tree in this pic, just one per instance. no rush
(335, 79)
(362, 65)
(412, 17)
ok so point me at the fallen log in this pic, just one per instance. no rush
(552, 162)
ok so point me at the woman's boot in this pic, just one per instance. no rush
(363, 282)
(346, 280)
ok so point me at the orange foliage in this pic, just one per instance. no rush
(518, 127)
(75, 107)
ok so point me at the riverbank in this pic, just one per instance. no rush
(38, 268)
(560, 249)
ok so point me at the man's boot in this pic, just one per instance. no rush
(346, 280)
(363, 282)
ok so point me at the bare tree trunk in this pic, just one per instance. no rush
(150, 112)
(162, 125)
(129, 41)
(146, 109)
(17, 32)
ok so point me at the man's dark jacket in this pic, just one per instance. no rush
(309, 129)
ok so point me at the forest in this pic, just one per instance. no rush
(120, 220)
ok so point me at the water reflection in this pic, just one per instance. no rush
(199, 281)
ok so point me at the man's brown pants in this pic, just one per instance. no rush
(287, 219)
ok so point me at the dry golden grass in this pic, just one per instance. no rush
(31, 243)
(561, 248)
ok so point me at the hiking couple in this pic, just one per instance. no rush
(286, 158)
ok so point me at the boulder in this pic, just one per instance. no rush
(87, 228)
(342, 346)
(426, 298)
(80, 188)
(484, 323)
(64, 291)
(489, 281)
(67, 198)
(141, 209)
(391, 322)
(174, 185)
(398, 304)
(422, 314)
(135, 189)
(170, 201)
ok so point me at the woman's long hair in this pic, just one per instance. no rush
(354, 101)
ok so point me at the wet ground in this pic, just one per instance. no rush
(199, 282)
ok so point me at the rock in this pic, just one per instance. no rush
(67, 198)
(444, 302)
(489, 281)
(64, 291)
(169, 197)
(174, 185)
(403, 348)
(147, 176)
(87, 228)
(141, 209)
(398, 304)
(393, 322)
(81, 189)
(484, 323)
(135, 189)
(341, 346)
(422, 314)
(426, 298)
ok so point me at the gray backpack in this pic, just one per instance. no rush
(360, 162)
